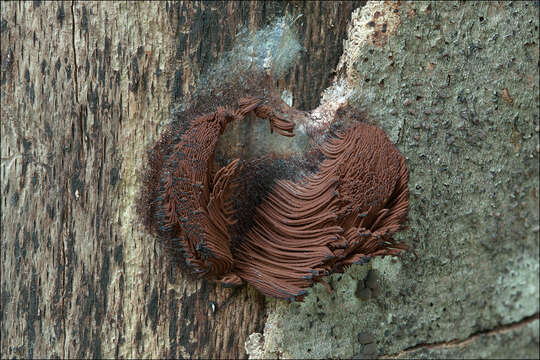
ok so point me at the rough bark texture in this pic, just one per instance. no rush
(455, 85)
(85, 88)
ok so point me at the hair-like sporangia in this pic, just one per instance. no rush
(184, 200)
(341, 215)
(196, 206)
(279, 224)
(343, 211)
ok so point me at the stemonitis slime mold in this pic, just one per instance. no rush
(342, 213)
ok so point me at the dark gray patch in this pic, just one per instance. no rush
(71, 258)
(6, 65)
(173, 327)
(43, 67)
(189, 304)
(68, 71)
(117, 347)
(104, 277)
(363, 293)
(35, 179)
(60, 14)
(6, 296)
(114, 176)
(138, 335)
(84, 342)
(121, 284)
(22, 307)
(17, 249)
(105, 105)
(145, 80)
(134, 85)
(48, 130)
(101, 73)
(31, 309)
(15, 199)
(152, 309)
(370, 349)
(171, 272)
(119, 254)
(230, 341)
(204, 295)
(177, 85)
(35, 240)
(59, 276)
(84, 19)
(87, 303)
(3, 26)
(365, 338)
(31, 93)
(96, 221)
(96, 346)
(76, 184)
(93, 99)
(51, 211)
(371, 279)
(181, 44)
(107, 48)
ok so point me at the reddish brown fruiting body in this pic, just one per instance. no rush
(344, 213)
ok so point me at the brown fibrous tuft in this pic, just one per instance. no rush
(255, 221)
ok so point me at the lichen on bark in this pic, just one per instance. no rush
(456, 88)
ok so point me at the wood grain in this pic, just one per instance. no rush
(85, 88)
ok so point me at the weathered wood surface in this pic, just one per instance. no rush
(85, 88)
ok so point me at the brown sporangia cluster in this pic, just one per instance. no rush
(301, 230)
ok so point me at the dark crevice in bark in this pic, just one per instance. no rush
(74, 53)
(501, 329)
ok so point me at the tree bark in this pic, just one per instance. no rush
(455, 85)
(86, 86)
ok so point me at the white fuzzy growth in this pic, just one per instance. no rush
(273, 50)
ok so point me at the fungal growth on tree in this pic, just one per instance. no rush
(278, 223)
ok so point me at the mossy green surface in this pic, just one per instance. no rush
(456, 88)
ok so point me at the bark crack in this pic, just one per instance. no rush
(74, 53)
(501, 329)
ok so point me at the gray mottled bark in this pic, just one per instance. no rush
(455, 85)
